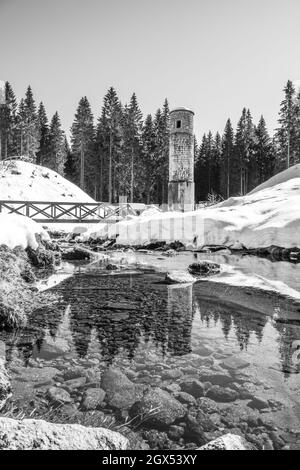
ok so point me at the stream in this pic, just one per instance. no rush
(239, 343)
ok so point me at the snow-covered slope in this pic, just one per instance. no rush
(270, 216)
(23, 181)
(292, 172)
(17, 230)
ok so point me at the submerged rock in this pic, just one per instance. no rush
(227, 442)
(258, 403)
(36, 434)
(158, 408)
(204, 268)
(121, 393)
(234, 363)
(221, 394)
(58, 396)
(193, 387)
(92, 399)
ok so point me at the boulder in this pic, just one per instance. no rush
(121, 393)
(57, 396)
(36, 434)
(179, 277)
(92, 398)
(158, 408)
(227, 442)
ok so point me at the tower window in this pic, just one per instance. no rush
(178, 124)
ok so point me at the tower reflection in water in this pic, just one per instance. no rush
(116, 314)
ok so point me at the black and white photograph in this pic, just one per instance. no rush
(149, 228)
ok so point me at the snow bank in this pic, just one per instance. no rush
(23, 181)
(17, 230)
(266, 217)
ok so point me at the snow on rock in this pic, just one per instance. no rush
(269, 216)
(18, 230)
(24, 181)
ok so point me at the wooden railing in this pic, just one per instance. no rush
(67, 212)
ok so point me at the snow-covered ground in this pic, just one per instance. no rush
(269, 216)
(17, 230)
(23, 181)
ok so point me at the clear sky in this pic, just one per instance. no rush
(213, 56)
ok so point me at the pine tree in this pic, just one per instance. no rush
(297, 114)
(164, 164)
(109, 132)
(132, 128)
(70, 162)
(29, 125)
(43, 126)
(286, 134)
(244, 141)
(148, 167)
(227, 157)
(56, 144)
(217, 156)
(83, 145)
(264, 154)
(21, 118)
(10, 123)
(206, 168)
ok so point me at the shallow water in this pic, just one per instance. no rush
(134, 322)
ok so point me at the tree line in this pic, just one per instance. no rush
(122, 154)
(239, 160)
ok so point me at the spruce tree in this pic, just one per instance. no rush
(227, 156)
(109, 133)
(30, 127)
(264, 154)
(132, 128)
(148, 168)
(244, 141)
(217, 155)
(286, 134)
(43, 126)
(164, 165)
(56, 144)
(70, 162)
(83, 145)
(10, 123)
(21, 119)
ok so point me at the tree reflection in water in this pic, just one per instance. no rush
(121, 312)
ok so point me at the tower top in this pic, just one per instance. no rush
(182, 109)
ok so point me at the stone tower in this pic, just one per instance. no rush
(181, 191)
